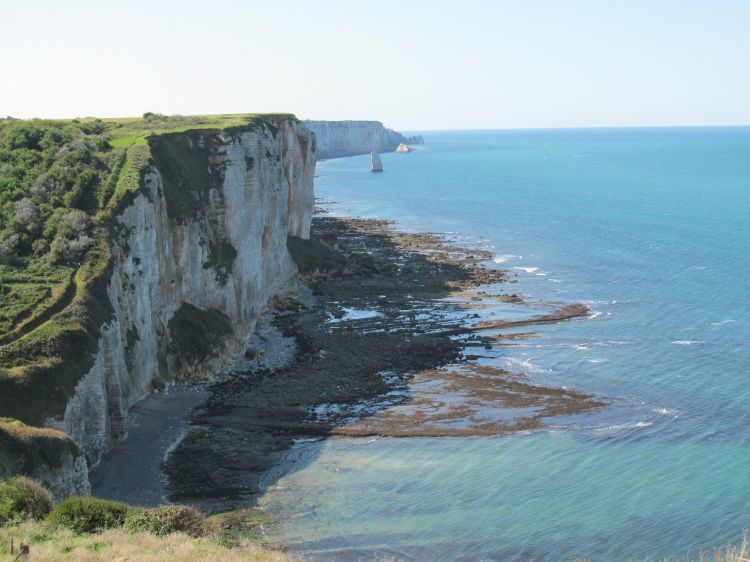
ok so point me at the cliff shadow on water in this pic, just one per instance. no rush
(388, 348)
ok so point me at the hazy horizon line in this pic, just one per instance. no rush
(574, 127)
(408, 129)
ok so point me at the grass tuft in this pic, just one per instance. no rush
(168, 519)
(50, 544)
(87, 528)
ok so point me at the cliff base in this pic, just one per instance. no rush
(381, 334)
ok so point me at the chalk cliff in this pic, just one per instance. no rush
(348, 138)
(197, 255)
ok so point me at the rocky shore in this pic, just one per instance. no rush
(390, 345)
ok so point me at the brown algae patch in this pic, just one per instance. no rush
(561, 314)
(387, 349)
(470, 400)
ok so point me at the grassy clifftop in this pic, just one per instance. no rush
(32, 527)
(62, 182)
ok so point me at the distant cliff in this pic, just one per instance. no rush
(335, 139)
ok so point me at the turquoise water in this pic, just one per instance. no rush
(650, 228)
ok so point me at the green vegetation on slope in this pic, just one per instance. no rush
(87, 528)
(61, 185)
(26, 291)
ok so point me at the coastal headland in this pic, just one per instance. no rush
(215, 324)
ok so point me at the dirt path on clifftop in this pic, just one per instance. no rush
(390, 349)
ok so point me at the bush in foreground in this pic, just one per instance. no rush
(21, 498)
(54, 544)
(168, 519)
(88, 514)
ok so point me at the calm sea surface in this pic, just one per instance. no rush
(650, 228)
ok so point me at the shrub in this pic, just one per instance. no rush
(72, 223)
(167, 519)
(69, 250)
(26, 215)
(9, 242)
(88, 515)
(21, 498)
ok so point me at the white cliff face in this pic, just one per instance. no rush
(263, 195)
(347, 138)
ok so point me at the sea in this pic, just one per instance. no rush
(650, 228)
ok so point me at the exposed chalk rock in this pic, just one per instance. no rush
(377, 165)
(402, 148)
(71, 478)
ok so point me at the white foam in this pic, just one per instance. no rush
(596, 360)
(526, 364)
(666, 411)
(505, 257)
(528, 269)
(581, 347)
(355, 314)
(327, 409)
(596, 314)
(636, 425)
(688, 342)
(722, 322)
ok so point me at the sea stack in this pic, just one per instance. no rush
(377, 165)
(402, 148)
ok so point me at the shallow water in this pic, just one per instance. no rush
(649, 227)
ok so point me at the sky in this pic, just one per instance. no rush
(413, 64)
